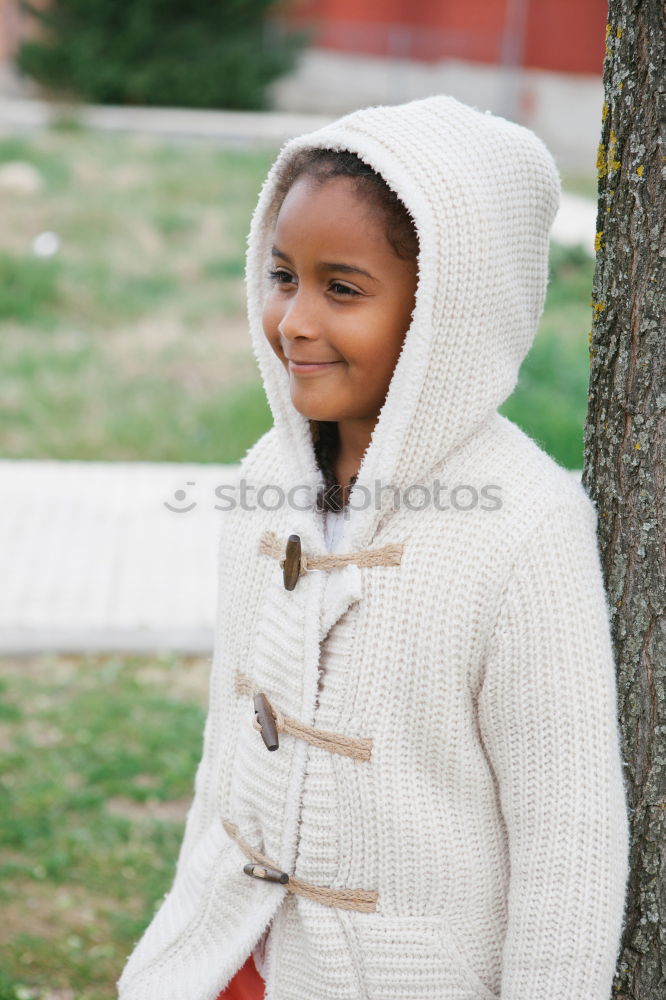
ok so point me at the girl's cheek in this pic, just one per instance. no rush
(270, 319)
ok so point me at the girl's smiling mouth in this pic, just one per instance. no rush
(303, 368)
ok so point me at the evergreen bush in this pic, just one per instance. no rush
(198, 53)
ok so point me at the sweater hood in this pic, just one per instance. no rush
(483, 193)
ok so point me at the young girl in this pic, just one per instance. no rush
(411, 784)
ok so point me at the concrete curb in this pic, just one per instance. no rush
(261, 128)
(97, 561)
(29, 642)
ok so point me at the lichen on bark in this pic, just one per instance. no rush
(624, 453)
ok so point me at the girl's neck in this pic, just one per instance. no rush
(354, 438)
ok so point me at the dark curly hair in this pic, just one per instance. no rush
(322, 165)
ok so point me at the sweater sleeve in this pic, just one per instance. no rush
(549, 725)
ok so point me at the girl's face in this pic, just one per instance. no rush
(341, 301)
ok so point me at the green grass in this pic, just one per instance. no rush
(550, 400)
(132, 342)
(29, 288)
(97, 763)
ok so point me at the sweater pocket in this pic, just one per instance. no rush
(414, 958)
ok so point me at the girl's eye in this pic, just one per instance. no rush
(342, 289)
(279, 277)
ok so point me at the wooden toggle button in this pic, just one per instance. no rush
(292, 562)
(268, 874)
(266, 719)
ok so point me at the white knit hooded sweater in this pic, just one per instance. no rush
(491, 817)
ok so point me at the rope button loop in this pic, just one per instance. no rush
(295, 563)
(261, 867)
(269, 721)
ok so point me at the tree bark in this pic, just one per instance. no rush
(624, 454)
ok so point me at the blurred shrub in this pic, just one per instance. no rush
(199, 54)
(571, 270)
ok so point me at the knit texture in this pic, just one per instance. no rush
(491, 817)
(333, 524)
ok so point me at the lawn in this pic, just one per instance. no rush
(131, 342)
(97, 762)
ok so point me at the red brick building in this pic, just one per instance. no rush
(565, 36)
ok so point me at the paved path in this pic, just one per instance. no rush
(267, 128)
(575, 223)
(94, 560)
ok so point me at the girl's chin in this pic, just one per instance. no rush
(317, 414)
(316, 409)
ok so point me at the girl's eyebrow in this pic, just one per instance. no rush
(345, 268)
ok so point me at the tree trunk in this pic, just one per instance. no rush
(624, 454)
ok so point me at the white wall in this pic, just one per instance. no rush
(565, 110)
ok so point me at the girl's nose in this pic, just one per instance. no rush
(299, 319)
